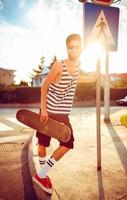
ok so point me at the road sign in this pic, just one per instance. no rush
(103, 2)
(101, 24)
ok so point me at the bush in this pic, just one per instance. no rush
(123, 120)
(85, 92)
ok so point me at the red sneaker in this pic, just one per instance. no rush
(49, 182)
(44, 183)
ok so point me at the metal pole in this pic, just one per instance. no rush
(98, 121)
(107, 89)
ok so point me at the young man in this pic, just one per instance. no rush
(57, 95)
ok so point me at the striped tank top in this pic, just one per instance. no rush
(60, 96)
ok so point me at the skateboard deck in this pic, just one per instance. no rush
(51, 128)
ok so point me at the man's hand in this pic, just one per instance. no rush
(44, 117)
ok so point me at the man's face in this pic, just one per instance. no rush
(74, 49)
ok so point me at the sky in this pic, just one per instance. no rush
(30, 29)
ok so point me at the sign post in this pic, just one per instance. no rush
(98, 112)
(107, 89)
(101, 25)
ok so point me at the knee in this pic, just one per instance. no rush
(41, 151)
(66, 149)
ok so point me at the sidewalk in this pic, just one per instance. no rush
(75, 176)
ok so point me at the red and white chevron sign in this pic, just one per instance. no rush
(103, 2)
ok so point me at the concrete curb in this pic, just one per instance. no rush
(32, 157)
(34, 166)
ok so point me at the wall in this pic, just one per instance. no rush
(32, 94)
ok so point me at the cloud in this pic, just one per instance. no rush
(1, 5)
(22, 3)
(59, 19)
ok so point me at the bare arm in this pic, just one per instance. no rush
(53, 74)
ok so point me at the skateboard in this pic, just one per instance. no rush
(51, 128)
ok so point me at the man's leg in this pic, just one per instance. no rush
(42, 154)
(41, 177)
(43, 142)
(59, 152)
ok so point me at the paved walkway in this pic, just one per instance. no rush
(75, 176)
(15, 178)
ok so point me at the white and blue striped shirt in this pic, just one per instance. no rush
(60, 96)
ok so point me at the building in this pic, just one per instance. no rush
(6, 76)
(118, 79)
(38, 79)
(124, 77)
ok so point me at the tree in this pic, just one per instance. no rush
(23, 83)
(40, 68)
(41, 65)
(54, 59)
(36, 72)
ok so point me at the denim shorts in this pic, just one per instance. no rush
(45, 140)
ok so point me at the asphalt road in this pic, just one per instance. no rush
(15, 179)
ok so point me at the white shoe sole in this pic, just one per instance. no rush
(49, 191)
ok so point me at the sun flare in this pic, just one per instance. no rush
(90, 55)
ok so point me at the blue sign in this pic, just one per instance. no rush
(101, 23)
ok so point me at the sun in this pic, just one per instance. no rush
(90, 55)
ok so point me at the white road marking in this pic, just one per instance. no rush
(4, 127)
(13, 119)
